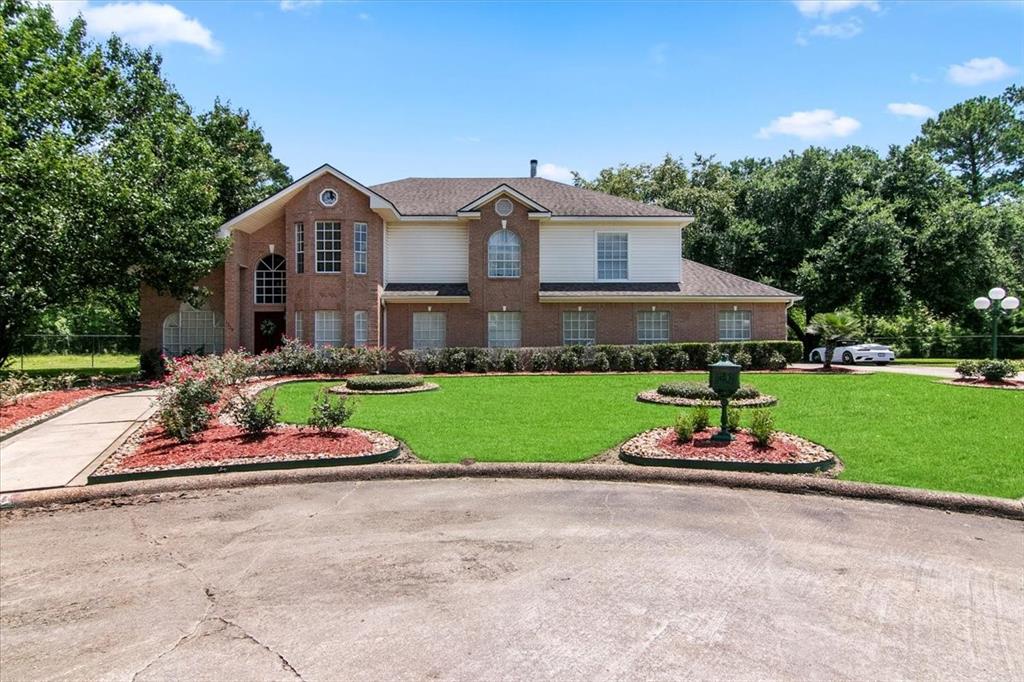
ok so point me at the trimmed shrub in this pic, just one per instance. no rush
(383, 382)
(410, 360)
(329, 411)
(600, 362)
(762, 426)
(151, 364)
(701, 418)
(254, 415)
(567, 361)
(184, 407)
(683, 428)
(510, 361)
(646, 361)
(687, 389)
(743, 359)
(540, 362)
(968, 369)
(746, 392)
(732, 419)
(997, 370)
(776, 361)
(680, 360)
(453, 361)
(478, 360)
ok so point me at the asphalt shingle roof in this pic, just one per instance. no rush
(428, 289)
(445, 196)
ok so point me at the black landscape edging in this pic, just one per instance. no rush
(251, 466)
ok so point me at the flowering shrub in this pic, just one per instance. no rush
(776, 361)
(254, 415)
(968, 369)
(601, 362)
(743, 359)
(329, 412)
(997, 370)
(185, 406)
(384, 382)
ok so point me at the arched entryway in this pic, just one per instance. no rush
(271, 284)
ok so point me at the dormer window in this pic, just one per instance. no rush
(329, 197)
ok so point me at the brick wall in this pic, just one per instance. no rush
(153, 308)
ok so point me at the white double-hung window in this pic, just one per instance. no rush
(734, 325)
(359, 249)
(326, 328)
(579, 327)
(428, 330)
(359, 328)
(504, 330)
(652, 326)
(328, 246)
(612, 256)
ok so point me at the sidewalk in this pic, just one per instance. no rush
(55, 452)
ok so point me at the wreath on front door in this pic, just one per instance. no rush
(267, 328)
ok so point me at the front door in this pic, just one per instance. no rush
(268, 331)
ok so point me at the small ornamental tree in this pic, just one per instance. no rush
(833, 329)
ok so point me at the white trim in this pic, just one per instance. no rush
(598, 279)
(498, 191)
(470, 215)
(405, 297)
(650, 221)
(320, 197)
(662, 298)
(377, 202)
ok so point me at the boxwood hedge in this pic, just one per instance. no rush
(384, 382)
(602, 358)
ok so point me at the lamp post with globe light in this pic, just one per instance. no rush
(998, 304)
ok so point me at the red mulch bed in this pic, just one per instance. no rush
(41, 403)
(744, 448)
(985, 383)
(222, 442)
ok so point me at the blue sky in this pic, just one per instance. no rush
(390, 90)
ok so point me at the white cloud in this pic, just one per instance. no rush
(910, 109)
(843, 31)
(139, 23)
(292, 5)
(825, 8)
(980, 70)
(553, 172)
(811, 125)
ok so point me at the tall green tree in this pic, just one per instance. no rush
(106, 180)
(981, 141)
(245, 168)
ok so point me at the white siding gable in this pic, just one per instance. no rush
(427, 253)
(568, 253)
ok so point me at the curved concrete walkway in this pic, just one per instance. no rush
(62, 451)
(511, 579)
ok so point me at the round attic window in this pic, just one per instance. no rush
(329, 197)
(503, 208)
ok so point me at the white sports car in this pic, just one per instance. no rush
(861, 352)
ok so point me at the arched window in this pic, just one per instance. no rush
(503, 254)
(190, 331)
(270, 279)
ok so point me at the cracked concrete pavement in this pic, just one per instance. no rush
(495, 579)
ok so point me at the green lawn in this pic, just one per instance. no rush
(49, 365)
(887, 428)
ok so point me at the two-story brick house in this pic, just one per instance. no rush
(432, 262)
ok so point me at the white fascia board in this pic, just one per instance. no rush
(402, 297)
(663, 298)
(498, 191)
(648, 221)
(377, 202)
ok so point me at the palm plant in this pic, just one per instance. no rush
(833, 328)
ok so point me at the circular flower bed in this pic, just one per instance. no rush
(1004, 384)
(223, 447)
(385, 384)
(693, 394)
(785, 454)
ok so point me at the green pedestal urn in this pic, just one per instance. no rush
(724, 380)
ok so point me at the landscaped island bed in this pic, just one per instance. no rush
(886, 428)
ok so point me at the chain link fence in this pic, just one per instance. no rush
(89, 350)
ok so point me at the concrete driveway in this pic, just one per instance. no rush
(917, 370)
(507, 579)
